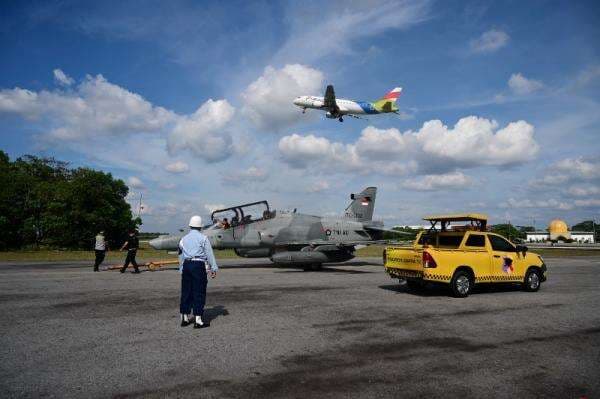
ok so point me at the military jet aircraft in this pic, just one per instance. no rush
(290, 238)
(340, 107)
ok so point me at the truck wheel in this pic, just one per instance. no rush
(461, 284)
(533, 281)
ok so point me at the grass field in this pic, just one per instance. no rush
(144, 254)
(148, 254)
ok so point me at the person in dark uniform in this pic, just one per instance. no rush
(100, 248)
(131, 244)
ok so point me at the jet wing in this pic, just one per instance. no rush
(329, 100)
(336, 243)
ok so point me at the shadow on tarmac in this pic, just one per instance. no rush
(212, 313)
(325, 269)
(433, 289)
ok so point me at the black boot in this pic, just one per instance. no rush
(200, 323)
(184, 322)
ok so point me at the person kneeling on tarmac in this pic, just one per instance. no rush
(196, 260)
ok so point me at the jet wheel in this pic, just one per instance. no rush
(313, 267)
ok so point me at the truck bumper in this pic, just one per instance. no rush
(404, 273)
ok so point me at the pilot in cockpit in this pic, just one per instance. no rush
(224, 224)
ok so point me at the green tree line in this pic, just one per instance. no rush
(43, 202)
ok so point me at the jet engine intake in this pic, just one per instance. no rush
(330, 115)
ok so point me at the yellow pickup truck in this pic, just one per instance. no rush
(462, 256)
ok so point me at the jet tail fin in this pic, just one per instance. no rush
(387, 103)
(392, 95)
(362, 205)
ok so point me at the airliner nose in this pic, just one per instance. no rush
(298, 101)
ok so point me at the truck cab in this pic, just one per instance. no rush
(457, 250)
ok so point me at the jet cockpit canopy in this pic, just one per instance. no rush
(243, 214)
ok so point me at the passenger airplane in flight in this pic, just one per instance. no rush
(340, 107)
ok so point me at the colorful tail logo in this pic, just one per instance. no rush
(388, 102)
(393, 95)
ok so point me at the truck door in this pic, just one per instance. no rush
(504, 259)
(479, 257)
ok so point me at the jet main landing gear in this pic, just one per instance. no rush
(341, 119)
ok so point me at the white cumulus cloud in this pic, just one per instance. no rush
(472, 142)
(570, 170)
(475, 141)
(520, 85)
(177, 167)
(268, 100)
(376, 143)
(62, 78)
(301, 151)
(204, 132)
(489, 41)
(135, 182)
(96, 107)
(446, 181)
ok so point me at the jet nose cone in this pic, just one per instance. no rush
(297, 101)
(155, 243)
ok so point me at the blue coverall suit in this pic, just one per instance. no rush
(196, 252)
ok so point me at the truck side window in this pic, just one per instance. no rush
(500, 244)
(450, 241)
(475, 240)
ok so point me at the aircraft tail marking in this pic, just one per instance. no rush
(393, 95)
(388, 102)
(362, 205)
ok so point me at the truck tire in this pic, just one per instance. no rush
(461, 284)
(533, 280)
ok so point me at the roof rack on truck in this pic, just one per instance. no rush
(477, 221)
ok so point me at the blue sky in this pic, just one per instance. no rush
(190, 103)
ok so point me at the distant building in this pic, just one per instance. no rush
(558, 231)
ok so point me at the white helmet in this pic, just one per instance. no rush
(196, 221)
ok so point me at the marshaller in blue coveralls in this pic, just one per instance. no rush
(197, 262)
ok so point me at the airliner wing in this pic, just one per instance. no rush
(329, 100)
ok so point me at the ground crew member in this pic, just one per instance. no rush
(100, 249)
(132, 245)
(197, 260)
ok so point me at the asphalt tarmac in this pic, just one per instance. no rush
(347, 331)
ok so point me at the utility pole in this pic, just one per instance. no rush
(140, 206)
